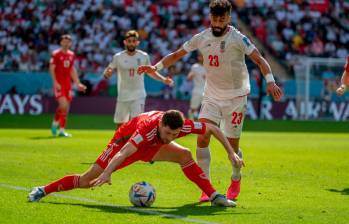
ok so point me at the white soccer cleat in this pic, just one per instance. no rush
(221, 200)
(36, 194)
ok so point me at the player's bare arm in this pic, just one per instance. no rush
(56, 85)
(190, 76)
(157, 76)
(218, 134)
(108, 72)
(167, 61)
(75, 77)
(119, 157)
(344, 84)
(264, 66)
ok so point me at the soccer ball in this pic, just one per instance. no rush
(142, 194)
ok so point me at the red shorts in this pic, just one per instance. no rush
(64, 92)
(115, 145)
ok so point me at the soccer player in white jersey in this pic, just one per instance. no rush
(198, 75)
(130, 85)
(227, 83)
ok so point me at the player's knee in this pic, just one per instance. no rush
(185, 156)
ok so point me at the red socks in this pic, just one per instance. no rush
(196, 175)
(65, 184)
(61, 117)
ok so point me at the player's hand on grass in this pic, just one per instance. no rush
(236, 160)
(81, 87)
(274, 90)
(102, 179)
(108, 73)
(146, 69)
(341, 90)
(168, 81)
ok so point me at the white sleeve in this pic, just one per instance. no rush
(114, 63)
(192, 44)
(245, 44)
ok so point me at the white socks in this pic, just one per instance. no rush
(237, 171)
(203, 157)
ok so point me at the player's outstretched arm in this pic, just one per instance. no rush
(264, 66)
(119, 157)
(218, 134)
(165, 62)
(157, 76)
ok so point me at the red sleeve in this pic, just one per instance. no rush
(143, 135)
(347, 65)
(192, 127)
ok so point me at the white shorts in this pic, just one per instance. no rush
(125, 110)
(195, 101)
(229, 114)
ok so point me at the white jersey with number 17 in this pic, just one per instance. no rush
(130, 84)
(224, 61)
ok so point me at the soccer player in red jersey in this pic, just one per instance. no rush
(344, 80)
(63, 72)
(147, 137)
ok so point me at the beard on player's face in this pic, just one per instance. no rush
(218, 31)
(131, 48)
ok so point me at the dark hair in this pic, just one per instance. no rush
(66, 36)
(220, 7)
(173, 119)
(131, 33)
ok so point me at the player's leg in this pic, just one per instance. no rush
(63, 109)
(121, 114)
(232, 125)
(66, 183)
(174, 152)
(210, 113)
(136, 107)
(195, 103)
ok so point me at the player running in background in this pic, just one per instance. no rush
(344, 80)
(131, 92)
(227, 82)
(147, 137)
(198, 75)
(63, 71)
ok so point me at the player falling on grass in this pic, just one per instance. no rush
(147, 137)
(63, 71)
(227, 82)
(131, 91)
(344, 80)
(198, 75)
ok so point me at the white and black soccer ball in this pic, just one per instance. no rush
(142, 194)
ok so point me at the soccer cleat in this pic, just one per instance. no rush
(234, 189)
(54, 129)
(36, 194)
(221, 200)
(64, 134)
(204, 197)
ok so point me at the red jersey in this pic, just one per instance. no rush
(142, 132)
(346, 67)
(64, 63)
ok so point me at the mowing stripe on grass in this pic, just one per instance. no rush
(134, 209)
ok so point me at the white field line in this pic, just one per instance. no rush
(134, 209)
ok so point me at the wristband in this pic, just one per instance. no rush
(269, 78)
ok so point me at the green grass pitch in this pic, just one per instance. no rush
(296, 172)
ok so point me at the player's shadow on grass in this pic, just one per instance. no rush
(345, 191)
(168, 212)
(42, 137)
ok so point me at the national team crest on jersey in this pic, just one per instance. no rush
(222, 46)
